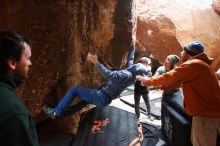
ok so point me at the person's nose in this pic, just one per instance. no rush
(30, 63)
(181, 53)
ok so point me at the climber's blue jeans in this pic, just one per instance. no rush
(96, 97)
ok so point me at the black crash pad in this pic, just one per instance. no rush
(58, 139)
(107, 126)
(152, 135)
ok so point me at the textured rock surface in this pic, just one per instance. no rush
(164, 26)
(216, 6)
(62, 33)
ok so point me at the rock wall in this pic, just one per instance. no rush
(62, 33)
(164, 26)
(216, 6)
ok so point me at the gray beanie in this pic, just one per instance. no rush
(174, 59)
(194, 48)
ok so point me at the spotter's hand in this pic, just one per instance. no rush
(142, 79)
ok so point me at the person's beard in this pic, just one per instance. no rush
(21, 73)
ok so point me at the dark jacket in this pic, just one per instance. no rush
(138, 88)
(16, 125)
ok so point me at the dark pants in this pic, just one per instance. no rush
(96, 97)
(137, 97)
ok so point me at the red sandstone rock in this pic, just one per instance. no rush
(216, 6)
(62, 33)
(164, 26)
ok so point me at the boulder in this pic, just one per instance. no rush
(216, 6)
(62, 33)
(164, 26)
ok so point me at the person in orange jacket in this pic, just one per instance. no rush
(201, 92)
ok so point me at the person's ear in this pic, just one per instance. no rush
(11, 64)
